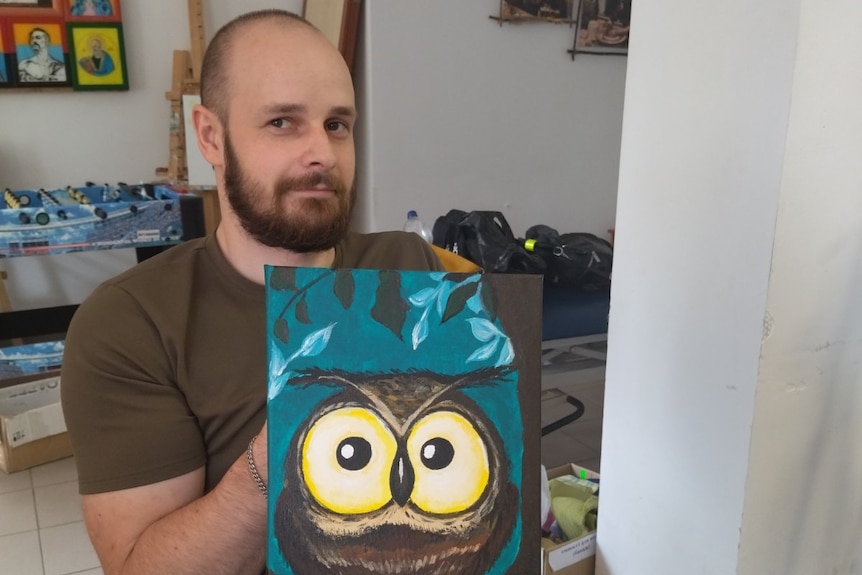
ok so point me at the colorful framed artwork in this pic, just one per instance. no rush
(5, 55)
(31, 8)
(40, 53)
(92, 10)
(403, 422)
(603, 27)
(536, 10)
(98, 58)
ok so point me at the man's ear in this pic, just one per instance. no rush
(210, 135)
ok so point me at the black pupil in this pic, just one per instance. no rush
(353, 453)
(437, 453)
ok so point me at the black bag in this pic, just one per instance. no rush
(485, 239)
(582, 261)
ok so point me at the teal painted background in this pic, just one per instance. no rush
(352, 340)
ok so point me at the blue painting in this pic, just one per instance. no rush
(403, 422)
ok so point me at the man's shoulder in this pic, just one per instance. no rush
(162, 267)
(160, 282)
(386, 250)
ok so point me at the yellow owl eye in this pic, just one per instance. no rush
(346, 460)
(450, 462)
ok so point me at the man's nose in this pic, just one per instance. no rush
(319, 152)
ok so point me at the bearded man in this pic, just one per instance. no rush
(164, 371)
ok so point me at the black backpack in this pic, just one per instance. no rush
(485, 239)
(580, 260)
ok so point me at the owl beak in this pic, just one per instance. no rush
(401, 478)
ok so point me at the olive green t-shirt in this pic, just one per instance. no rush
(164, 368)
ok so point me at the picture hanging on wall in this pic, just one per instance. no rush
(535, 11)
(92, 10)
(603, 27)
(98, 57)
(34, 8)
(40, 53)
(37, 48)
(5, 56)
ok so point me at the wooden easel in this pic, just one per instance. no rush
(5, 303)
(185, 79)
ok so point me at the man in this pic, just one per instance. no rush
(99, 62)
(164, 372)
(41, 66)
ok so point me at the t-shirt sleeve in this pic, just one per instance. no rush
(128, 422)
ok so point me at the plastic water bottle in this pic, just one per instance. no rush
(415, 225)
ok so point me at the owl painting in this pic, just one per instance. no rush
(398, 424)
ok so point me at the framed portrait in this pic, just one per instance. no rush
(5, 55)
(34, 8)
(92, 10)
(98, 56)
(603, 27)
(40, 53)
(536, 10)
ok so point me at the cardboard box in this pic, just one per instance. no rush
(575, 557)
(32, 427)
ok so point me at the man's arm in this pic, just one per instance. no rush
(171, 527)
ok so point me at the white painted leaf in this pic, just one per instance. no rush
(507, 354)
(275, 386)
(422, 297)
(277, 361)
(485, 352)
(420, 330)
(314, 343)
(483, 330)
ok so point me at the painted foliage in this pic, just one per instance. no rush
(403, 421)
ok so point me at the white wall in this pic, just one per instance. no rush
(704, 129)
(55, 139)
(803, 504)
(464, 113)
(733, 409)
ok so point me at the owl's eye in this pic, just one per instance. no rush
(354, 453)
(453, 468)
(437, 453)
(346, 460)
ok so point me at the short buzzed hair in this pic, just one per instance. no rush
(214, 70)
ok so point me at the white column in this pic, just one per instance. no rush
(708, 95)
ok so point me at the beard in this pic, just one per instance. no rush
(307, 225)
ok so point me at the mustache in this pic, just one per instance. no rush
(313, 180)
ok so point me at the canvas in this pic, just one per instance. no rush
(98, 56)
(604, 26)
(403, 422)
(40, 52)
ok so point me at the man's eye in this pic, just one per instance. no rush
(279, 123)
(337, 126)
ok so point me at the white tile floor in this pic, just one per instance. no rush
(41, 526)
